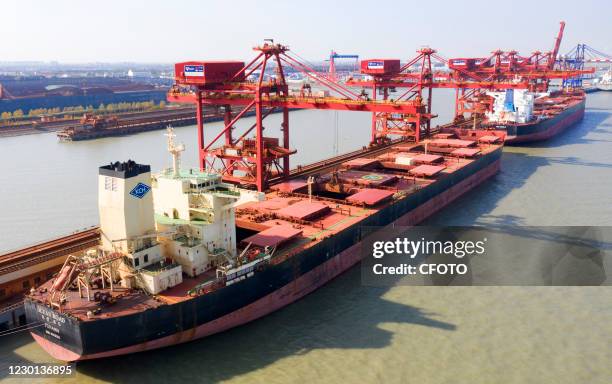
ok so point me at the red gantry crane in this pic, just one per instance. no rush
(387, 74)
(471, 77)
(239, 88)
(415, 77)
(533, 73)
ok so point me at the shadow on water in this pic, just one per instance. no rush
(573, 160)
(8, 345)
(475, 207)
(348, 316)
(603, 130)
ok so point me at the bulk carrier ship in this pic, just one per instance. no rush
(529, 117)
(184, 255)
(520, 100)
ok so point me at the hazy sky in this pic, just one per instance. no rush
(169, 31)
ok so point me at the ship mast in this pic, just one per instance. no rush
(175, 150)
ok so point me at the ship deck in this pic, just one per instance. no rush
(556, 103)
(290, 219)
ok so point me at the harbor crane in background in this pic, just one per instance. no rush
(577, 57)
(332, 63)
(470, 77)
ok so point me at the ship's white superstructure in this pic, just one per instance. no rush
(128, 228)
(605, 83)
(512, 105)
(174, 222)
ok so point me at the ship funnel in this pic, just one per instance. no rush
(125, 203)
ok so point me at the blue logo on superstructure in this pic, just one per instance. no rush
(140, 190)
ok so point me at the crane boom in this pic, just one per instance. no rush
(555, 52)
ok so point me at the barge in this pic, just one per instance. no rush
(184, 255)
(92, 127)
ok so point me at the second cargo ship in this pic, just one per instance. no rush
(529, 117)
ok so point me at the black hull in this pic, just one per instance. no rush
(87, 338)
(544, 129)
